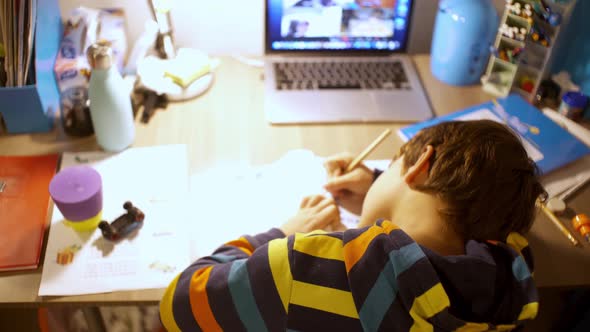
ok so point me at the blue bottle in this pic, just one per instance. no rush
(463, 33)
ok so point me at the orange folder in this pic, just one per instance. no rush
(24, 200)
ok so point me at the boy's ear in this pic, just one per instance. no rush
(419, 171)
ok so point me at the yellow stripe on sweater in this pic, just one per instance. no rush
(321, 246)
(323, 298)
(427, 305)
(517, 241)
(166, 314)
(482, 327)
(473, 327)
(278, 257)
(529, 311)
(505, 327)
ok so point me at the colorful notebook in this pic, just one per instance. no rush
(549, 145)
(24, 199)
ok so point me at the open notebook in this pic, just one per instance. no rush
(235, 199)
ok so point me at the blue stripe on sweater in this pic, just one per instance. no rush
(244, 302)
(379, 299)
(520, 269)
(405, 257)
(222, 258)
(384, 291)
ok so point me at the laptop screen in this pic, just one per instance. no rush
(316, 25)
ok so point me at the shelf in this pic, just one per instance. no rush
(530, 43)
(532, 63)
(510, 65)
(522, 92)
(514, 42)
(522, 20)
(529, 68)
(493, 89)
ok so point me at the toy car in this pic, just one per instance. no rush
(124, 225)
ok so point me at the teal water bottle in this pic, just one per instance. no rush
(464, 30)
(110, 103)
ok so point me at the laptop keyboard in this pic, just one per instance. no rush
(367, 75)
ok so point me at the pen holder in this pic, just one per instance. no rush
(31, 108)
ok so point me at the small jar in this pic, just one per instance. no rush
(76, 113)
(573, 105)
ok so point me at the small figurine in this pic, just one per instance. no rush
(124, 225)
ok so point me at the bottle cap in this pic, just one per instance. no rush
(575, 99)
(100, 55)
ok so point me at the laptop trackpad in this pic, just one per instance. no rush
(327, 106)
(401, 106)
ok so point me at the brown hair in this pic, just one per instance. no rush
(483, 175)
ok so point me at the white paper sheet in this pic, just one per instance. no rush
(155, 179)
(561, 180)
(237, 200)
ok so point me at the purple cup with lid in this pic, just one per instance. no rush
(77, 193)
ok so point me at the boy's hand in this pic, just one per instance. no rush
(316, 212)
(351, 188)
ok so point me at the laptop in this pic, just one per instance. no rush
(340, 61)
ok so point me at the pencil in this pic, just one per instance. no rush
(356, 161)
(558, 223)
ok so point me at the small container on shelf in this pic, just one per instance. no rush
(573, 104)
(526, 81)
(540, 36)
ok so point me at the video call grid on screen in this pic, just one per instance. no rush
(338, 24)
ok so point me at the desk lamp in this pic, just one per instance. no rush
(179, 74)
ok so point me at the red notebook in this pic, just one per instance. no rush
(24, 200)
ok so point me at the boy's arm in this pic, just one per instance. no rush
(244, 284)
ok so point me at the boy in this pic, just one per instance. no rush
(444, 254)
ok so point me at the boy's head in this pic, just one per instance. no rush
(478, 171)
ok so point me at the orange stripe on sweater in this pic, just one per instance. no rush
(243, 245)
(355, 249)
(200, 301)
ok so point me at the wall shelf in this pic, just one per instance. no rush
(514, 42)
(515, 65)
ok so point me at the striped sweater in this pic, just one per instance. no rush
(373, 278)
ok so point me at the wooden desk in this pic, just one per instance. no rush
(227, 125)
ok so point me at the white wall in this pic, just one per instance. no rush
(236, 26)
(221, 27)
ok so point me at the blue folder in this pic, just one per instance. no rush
(557, 145)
